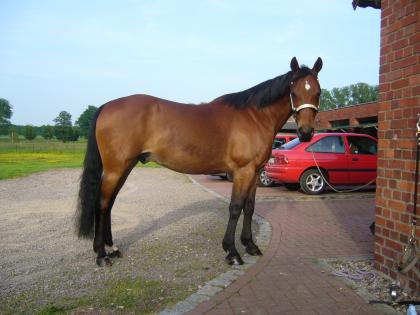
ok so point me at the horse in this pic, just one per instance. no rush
(231, 134)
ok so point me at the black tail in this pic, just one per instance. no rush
(90, 185)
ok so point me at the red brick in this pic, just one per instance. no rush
(386, 12)
(394, 245)
(380, 221)
(379, 258)
(395, 216)
(390, 224)
(399, 84)
(387, 252)
(397, 205)
(410, 19)
(408, 102)
(404, 228)
(403, 238)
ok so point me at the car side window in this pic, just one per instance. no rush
(278, 142)
(362, 145)
(329, 144)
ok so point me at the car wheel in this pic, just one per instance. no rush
(292, 186)
(263, 180)
(312, 182)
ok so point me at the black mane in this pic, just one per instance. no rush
(267, 92)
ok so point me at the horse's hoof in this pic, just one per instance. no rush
(103, 261)
(233, 259)
(253, 250)
(115, 254)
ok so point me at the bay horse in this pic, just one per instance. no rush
(232, 134)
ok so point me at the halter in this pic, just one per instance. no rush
(295, 110)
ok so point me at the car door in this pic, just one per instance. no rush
(362, 159)
(330, 154)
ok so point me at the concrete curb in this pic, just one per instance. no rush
(218, 284)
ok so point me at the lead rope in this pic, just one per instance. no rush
(336, 190)
(411, 253)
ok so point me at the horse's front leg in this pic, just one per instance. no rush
(246, 236)
(243, 180)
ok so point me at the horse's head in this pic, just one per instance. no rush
(304, 97)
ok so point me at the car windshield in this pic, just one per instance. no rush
(290, 145)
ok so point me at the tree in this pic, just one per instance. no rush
(63, 119)
(30, 133)
(5, 115)
(348, 95)
(48, 132)
(75, 134)
(85, 119)
(63, 128)
(326, 101)
(63, 133)
(363, 93)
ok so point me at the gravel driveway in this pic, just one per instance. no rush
(163, 223)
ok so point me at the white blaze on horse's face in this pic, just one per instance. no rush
(307, 85)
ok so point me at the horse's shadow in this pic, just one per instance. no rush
(144, 230)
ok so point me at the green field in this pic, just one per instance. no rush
(27, 157)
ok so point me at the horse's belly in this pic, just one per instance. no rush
(190, 164)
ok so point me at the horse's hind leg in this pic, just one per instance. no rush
(114, 251)
(246, 236)
(112, 181)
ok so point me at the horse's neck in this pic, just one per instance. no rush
(278, 113)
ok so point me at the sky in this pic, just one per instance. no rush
(66, 55)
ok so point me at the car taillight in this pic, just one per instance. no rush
(279, 159)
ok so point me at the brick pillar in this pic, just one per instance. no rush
(399, 87)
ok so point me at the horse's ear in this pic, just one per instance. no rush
(294, 65)
(317, 66)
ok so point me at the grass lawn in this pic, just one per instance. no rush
(16, 164)
(27, 157)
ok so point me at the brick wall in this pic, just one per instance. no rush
(399, 87)
(353, 113)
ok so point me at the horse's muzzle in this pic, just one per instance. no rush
(305, 134)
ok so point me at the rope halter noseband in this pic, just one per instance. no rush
(295, 110)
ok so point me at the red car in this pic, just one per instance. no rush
(281, 138)
(343, 158)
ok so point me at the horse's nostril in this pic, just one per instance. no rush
(305, 133)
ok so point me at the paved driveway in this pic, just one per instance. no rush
(287, 279)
